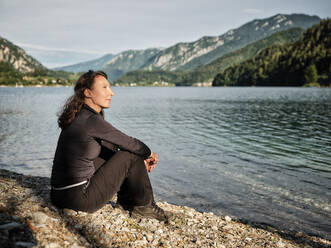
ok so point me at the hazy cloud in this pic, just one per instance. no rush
(43, 48)
(252, 11)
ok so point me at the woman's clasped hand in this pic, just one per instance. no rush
(151, 162)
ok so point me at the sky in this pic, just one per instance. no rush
(99, 27)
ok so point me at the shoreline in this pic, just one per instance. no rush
(28, 219)
(158, 86)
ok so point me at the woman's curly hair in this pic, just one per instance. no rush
(75, 103)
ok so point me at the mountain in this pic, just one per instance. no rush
(94, 64)
(17, 57)
(188, 56)
(191, 55)
(207, 72)
(305, 61)
(115, 65)
(128, 61)
(17, 67)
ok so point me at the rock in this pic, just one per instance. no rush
(34, 198)
(228, 218)
(280, 244)
(46, 226)
(53, 245)
(76, 246)
(155, 242)
(22, 244)
(150, 227)
(11, 226)
(149, 237)
(16, 218)
(140, 242)
(28, 191)
(40, 226)
(69, 212)
(40, 217)
(214, 228)
(52, 208)
(78, 226)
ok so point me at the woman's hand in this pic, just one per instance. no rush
(150, 163)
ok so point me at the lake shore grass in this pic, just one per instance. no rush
(28, 219)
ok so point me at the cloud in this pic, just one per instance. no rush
(43, 48)
(252, 11)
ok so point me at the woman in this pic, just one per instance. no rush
(93, 160)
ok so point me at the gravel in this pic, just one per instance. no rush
(28, 219)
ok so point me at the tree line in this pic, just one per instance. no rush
(40, 75)
(304, 62)
(206, 73)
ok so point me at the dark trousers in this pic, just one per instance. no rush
(121, 172)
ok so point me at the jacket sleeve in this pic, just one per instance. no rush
(103, 130)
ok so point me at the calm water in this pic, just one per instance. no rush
(262, 154)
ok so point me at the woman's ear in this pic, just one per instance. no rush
(87, 93)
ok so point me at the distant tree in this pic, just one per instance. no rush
(310, 74)
(304, 62)
(8, 74)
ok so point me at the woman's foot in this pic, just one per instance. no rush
(150, 211)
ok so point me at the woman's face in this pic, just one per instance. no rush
(100, 94)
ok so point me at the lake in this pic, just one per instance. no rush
(259, 154)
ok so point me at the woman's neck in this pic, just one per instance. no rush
(95, 107)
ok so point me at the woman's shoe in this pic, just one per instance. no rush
(150, 211)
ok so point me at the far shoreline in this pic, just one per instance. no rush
(158, 86)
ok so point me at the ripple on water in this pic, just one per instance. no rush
(258, 153)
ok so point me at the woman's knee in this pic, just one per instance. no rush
(130, 155)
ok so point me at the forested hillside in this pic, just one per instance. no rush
(17, 67)
(190, 55)
(207, 72)
(300, 63)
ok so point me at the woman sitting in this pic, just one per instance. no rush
(94, 160)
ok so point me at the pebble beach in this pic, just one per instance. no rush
(28, 219)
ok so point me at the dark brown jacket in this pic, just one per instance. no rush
(80, 143)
